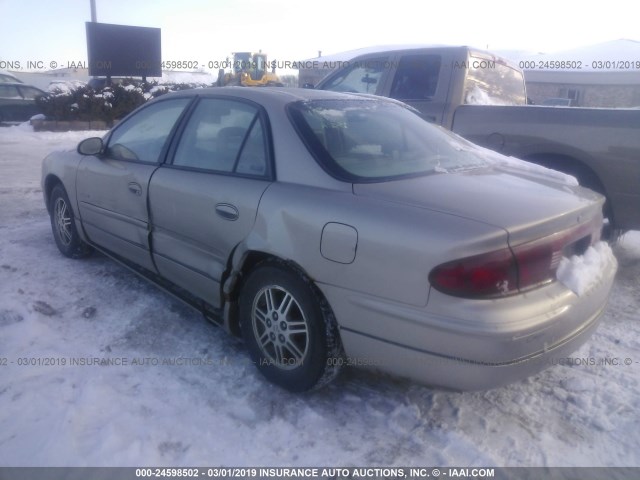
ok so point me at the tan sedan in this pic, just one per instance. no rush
(333, 229)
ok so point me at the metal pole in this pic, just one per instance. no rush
(93, 11)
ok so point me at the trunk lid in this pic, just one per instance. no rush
(527, 204)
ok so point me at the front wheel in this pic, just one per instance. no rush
(63, 226)
(289, 329)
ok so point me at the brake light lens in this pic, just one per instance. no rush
(488, 275)
(513, 270)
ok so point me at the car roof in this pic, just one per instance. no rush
(20, 84)
(23, 85)
(273, 95)
(376, 50)
(354, 55)
(7, 74)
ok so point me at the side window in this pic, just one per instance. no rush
(142, 137)
(361, 76)
(493, 83)
(416, 77)
(30, 93)
(9, 91)
(223, 136)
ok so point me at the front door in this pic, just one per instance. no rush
(113, 187)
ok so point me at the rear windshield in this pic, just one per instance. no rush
(371, 140)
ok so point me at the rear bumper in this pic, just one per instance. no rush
(468, 344)
(457, 373)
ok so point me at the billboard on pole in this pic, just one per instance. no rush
(123, 50)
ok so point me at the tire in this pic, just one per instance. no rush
(289, 329)
(63, 226)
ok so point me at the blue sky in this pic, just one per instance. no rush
(204, 30)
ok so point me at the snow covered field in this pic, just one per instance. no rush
(185, 393)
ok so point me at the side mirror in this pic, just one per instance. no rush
(91, 146)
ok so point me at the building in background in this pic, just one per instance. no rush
(604, 75)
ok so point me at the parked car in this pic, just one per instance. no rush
(482, 97)
(333, 229)
(6, 77)
(18, 102)
(65, 86)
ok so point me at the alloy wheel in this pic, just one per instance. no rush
(280, 327)
(62, 221)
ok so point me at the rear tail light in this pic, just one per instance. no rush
(512, 270)
(488, 275)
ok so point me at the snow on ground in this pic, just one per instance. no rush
(211, 407)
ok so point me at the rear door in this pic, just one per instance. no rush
(112, 189)
(205, 202)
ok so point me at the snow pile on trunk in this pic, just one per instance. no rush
(534, 168)
(581, 272)
(518, 165)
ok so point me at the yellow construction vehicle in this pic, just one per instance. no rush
(249, 70)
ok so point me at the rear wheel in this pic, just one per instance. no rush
(63, 226)
(289, 329)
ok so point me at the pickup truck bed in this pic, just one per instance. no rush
(601, 147)
(482, 97)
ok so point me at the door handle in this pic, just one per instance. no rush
(227, 211)
(135, 188)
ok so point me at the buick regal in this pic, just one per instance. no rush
(331, 229)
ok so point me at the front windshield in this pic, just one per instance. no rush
(372, 140)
